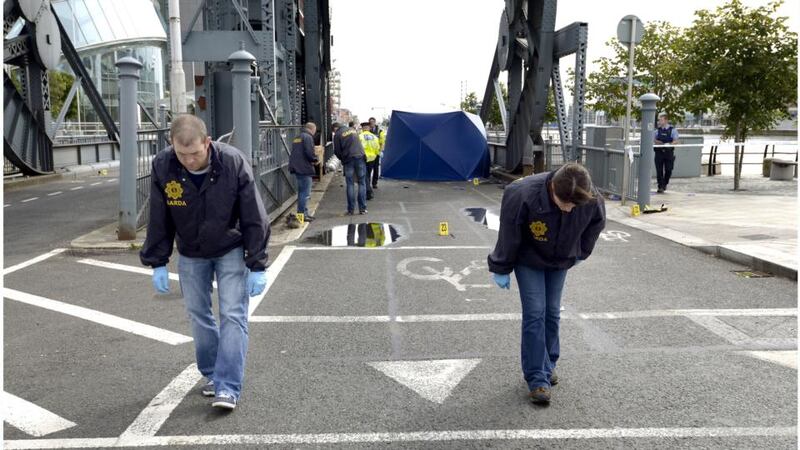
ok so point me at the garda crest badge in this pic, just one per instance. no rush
(539, 230)
(174, 192)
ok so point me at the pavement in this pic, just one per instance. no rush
(756, 226)
(406, 345)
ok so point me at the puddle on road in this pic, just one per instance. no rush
(485, 217)
(367, 235)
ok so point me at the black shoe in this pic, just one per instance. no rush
(374, 186)
(362, 212)
(370, 197)
(660, 190)
(349, 213)
(308, 218)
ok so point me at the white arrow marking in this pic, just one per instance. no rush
(30, 418)
(432, 380)
(785, 358)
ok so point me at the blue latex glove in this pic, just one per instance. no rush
(502, 281)
(161, 279)
(256, 282)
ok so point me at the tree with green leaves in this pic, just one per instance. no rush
(494, 111)
(470, 103)
(657, 59)
(60, 84)
(741, 62)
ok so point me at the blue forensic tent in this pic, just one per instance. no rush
(435, 147)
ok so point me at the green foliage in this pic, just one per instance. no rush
(657, 59)
(60, 84)
(470, 103)
(742, 63)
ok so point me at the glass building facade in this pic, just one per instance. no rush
(103, 31)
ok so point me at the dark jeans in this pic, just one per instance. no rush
(355, 171)
(376, 172)
(303, 192)
(665, 160)
(372, 174)
(540, 291)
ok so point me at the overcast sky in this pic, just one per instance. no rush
(413, 55)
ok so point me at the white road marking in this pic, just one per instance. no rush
(76, 188)
(402, 207)
(613, 235)
(432, 247)
(446, 273)
(272, 274)
(491, 199)
(495, 317)
(33, 261)
(6, 205)
(721, 329)
(137, 328)
(95, 184)
(55, 193)
(30, 418)
(152, 418)
(131, 269)
(29, 199)
(113, 180)
(412, 436)
(320, 319)
(786, 358)
(432, 380)
(692, 313)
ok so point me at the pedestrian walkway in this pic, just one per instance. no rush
(756, 226)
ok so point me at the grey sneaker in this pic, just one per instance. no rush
(208, 389)
(224, 401)
(553, 379)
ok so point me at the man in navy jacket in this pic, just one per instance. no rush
(548, 223)
(203, 195)
(347, 147)
(301, 164)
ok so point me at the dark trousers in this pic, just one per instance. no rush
(665, 160)
(375, 173)
(372, 174)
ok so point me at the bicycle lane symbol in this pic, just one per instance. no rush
(446, 273)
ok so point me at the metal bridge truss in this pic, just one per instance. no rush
(529, 48)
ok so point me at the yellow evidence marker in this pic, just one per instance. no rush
(635, 211)
(444, 229)
(300, 217)
(476, 181)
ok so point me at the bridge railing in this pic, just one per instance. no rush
(271, 166)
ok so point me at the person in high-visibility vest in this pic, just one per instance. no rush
(377, 131)
(372, 149)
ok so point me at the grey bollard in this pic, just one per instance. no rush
(128, 146)
(241, 61)
(646, 154)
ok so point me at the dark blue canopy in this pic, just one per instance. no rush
(435, 147)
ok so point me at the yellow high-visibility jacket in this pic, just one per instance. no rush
(382, 139)
(371, 144)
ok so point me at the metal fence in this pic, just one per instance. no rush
(149, 143)
(606, 165)
(271, 167)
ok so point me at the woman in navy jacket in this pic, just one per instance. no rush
(548, 223)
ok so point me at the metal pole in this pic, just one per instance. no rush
(177, 80)
(626, 167)
(646, 153)
(128, 148)
(242, 126)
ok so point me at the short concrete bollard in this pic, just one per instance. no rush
(782, 170)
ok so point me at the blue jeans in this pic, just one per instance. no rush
(220, 350)
(540, 292)
(303, 192)
(357, 167)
